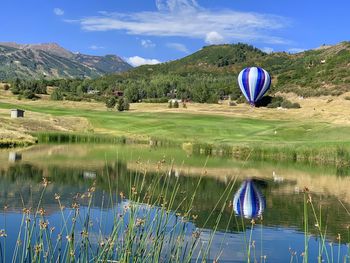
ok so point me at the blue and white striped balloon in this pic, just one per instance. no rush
(248, 200)
(254, 82)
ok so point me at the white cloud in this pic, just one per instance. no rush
(296, 50)
(214, 38)
(179, 47)
(176, 5)
(267, 50)
(138, 61)
(96, 47)
(185, 18)
(58, 11)
(146, 43)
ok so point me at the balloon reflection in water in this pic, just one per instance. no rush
(248, 200)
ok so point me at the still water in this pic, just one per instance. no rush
(270, 193)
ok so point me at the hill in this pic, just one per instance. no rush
(52, 61)
(211, 74)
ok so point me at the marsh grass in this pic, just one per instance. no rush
(146, 227)
(59, 137)
(321, 155)
(314, 218)
(11, 143)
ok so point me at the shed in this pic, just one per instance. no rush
(15, 157)
(17, 113)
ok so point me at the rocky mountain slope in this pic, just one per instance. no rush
(50, 60)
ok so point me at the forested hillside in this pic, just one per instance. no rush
(211, 74)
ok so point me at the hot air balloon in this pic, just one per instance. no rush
(254, 82)
(248, 200)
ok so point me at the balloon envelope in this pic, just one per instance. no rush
(254, 82)
(248, 200)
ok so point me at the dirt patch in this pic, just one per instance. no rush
(20, 129)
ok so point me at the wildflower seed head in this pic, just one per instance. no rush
(84, 233)
(3, 233)
(26, 211)
(45, 182)
(42, 211)
(75, 206)
(196, 234)
(43, 224)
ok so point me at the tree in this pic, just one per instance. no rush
(111, 102)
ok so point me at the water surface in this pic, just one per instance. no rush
(276, 236)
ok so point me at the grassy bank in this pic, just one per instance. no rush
(235, 135)
(201, 128)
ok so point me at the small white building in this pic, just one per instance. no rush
(17, 113)
(15, 157)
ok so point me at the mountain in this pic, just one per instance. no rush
(53, 61)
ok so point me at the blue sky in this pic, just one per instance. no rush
(152, 31)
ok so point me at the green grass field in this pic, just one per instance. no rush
(203, 128)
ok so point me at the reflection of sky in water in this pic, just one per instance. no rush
(274, 243)
(281, 232)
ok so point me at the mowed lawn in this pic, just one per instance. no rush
(204, 128)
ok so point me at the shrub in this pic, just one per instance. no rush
(15, 91)
(56, 95)
(6, 87)
(175, 104)
(28, 94)
(236, 94)
(111, 102)
(126, 104)
(123, 104)
(170, 105)
(232, 103)
(241, 100)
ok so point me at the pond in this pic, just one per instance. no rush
(150, 204)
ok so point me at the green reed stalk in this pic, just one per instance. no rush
(306, 230)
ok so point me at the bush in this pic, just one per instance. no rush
(28, 94)
(236, 94)
(15, 91)
(241, 100)
(6, 87)
(175, 104)
(56, 95)
(111, 102)
(170, 105)
(232, 103)
(126, 104)
(123, 104)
